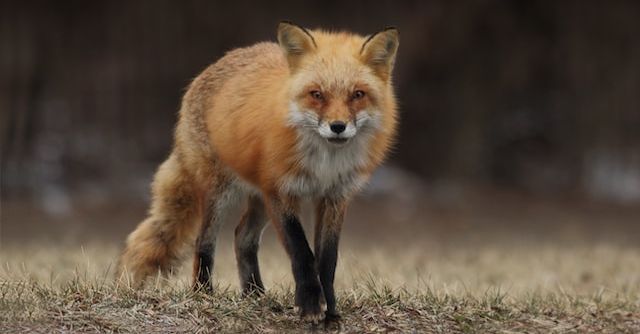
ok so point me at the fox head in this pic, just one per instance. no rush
(340, 84)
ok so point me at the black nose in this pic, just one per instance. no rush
(338, 127)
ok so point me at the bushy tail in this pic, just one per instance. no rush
(157, 243)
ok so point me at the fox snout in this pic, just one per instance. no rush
(337, 131)
(337, 127)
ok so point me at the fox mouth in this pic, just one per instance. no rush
(338, 140)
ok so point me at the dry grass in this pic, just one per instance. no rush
(416, 289)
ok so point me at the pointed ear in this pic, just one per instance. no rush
(379, 51)
(295, 41)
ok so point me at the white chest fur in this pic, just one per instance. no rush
(327, 170)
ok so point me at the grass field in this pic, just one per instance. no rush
(554, 289)
(476, 263)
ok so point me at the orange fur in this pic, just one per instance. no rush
(243, 126)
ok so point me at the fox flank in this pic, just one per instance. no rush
(267, 126)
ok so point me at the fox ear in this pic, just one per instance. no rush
(295, 41)
(379, 51)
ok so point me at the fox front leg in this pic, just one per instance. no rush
(329, 217)
(308, 289)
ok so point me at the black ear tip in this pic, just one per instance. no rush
(391, 28)
(285, 23)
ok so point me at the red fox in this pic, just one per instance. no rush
(310, 117)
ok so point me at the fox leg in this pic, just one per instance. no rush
(247, 241)
(157, 243)
(218, 206)
(329, 217)
(291, 234)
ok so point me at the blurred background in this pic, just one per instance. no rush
(519, 120)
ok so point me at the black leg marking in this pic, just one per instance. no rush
(247, 242)
(327, 260)
(302, 257)
(216, 213)
(329, 219)
(249, 271)
(204, 268)
(308, 289)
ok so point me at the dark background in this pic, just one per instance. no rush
(536, 99)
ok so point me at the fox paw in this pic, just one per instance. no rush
(332, 316)
(308, 301)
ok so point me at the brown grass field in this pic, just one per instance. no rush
(472, 268)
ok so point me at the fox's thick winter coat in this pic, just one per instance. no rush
(269, 125)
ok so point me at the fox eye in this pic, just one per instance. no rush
(316, 94)
(358, 94)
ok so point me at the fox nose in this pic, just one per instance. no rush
(338, 127)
